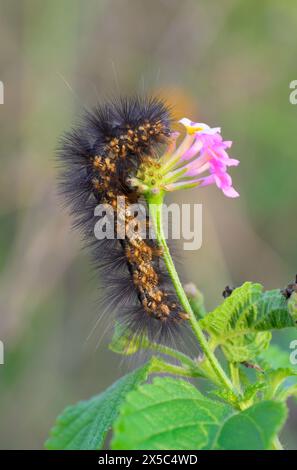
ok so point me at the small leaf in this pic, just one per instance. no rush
(84, 426)
(226, 395)
(241, 324)
(173, 414)
(275, 357)
(275, 378)
(124, 343)
(280, 375)
(251, 391)
(246, 398)
(246, 347)
(292, 306)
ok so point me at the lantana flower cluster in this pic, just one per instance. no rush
(201, 159)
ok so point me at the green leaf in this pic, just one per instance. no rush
(292, 306)
(246, 347)
(275, 357)
(168, 414)
(273, 312)
(280, 375)
(274, 378)
(85, 425)
(246, 399)
(241, 324)
(254, 428)
(251, 391)
(173, 414)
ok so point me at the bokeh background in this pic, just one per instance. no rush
(227, 63)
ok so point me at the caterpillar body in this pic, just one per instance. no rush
(99, 158)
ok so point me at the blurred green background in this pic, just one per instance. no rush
(227, 63)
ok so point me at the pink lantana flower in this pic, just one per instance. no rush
(202, 150)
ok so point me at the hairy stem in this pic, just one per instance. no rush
(155, 203)
(234, 371)
(160, 366)
(182, 358)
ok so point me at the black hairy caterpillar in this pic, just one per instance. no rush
(99, 157)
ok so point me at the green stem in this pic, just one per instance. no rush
(155, 203)
(160, 366)
(234, 371)
(182, 358)
(277, 444)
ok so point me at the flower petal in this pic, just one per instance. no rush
(230, 192)
(198, 127)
